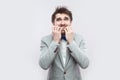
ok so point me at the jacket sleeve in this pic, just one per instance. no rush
(78, 53)
(47, 54)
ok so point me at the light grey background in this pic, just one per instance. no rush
(24, 22)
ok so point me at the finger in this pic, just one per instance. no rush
(57, 28)
(61, 28)
(70, 30)
(66, 30)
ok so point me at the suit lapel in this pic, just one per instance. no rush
(67, 57)
(58, 62)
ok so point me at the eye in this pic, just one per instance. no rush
(66, 18)
(58, 19)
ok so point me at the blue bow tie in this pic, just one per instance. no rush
(63, 37)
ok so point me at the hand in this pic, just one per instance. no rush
(69, 34)
(56, 31)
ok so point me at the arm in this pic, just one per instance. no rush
(48, 54)
(78, 53)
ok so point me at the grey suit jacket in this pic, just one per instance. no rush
(52, 59)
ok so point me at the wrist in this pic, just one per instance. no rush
(57, 41)
(70, 41)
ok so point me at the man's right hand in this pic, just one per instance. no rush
(56, 31)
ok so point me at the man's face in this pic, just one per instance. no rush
(62, 20)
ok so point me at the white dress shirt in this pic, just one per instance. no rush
(63, 50)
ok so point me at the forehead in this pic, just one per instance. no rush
(61, 15)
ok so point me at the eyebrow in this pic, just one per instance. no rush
(58, 18)
(66, 18)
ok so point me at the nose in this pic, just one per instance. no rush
(62, 22)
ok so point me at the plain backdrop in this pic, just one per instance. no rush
(24, 22)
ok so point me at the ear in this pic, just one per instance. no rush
(53, 23)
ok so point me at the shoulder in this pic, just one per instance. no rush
(80, 40)
(78, 37)
(47, 39)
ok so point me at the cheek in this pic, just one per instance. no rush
(68, 22)
(57, 23)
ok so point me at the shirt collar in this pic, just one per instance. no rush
(63, 37)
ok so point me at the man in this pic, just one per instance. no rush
(63, 51)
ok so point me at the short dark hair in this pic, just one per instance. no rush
(61, 10)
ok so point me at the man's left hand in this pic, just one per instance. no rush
(69, 34)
